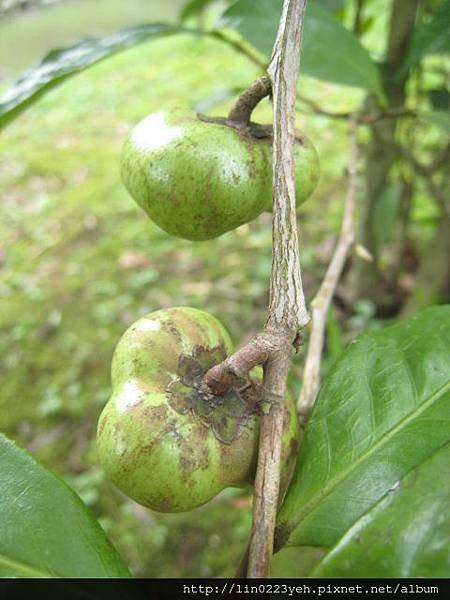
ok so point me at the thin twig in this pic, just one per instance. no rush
(287, 308)
(363, 118)
(241, 47)
(321, 303)
(317, 110)
(392, 113)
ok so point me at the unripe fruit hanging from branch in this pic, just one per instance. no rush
(198, 177)
(165, 441)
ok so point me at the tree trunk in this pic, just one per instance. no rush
(367, 278)
(432, 283)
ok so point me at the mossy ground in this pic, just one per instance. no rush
(80, 262)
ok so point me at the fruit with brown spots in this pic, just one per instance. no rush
(161, 439)
(198, 177)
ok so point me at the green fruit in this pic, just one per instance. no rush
(197, 177)
(160, 439)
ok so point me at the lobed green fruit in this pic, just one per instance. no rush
(197, 177)
(160, 440)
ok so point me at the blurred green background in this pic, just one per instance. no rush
(79, 261)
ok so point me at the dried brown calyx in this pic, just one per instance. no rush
(226, 415)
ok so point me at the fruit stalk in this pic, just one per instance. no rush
(247, 101)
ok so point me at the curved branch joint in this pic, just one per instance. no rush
(242, 110)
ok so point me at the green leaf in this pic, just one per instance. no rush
(256, 21)
(296, 562)
(193, 8)
(407, 534)
(45, 529)
(440, 118)
(330, 51)
(60, 64)
(335, 339)
(382, 411)
(430, 37)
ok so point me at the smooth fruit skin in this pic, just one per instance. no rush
(153, 443)
(198, 179)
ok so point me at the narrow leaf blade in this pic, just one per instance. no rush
(430, 37)
(62, 63)
(45, 529)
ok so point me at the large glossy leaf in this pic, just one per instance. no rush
(431, 36)
(60, 64)
(383, 410)
(45, 529)
(330, 51)
(407, 534)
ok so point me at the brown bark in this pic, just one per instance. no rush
(287, 308)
